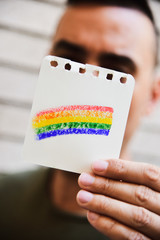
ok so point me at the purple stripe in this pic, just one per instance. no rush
(60, 132)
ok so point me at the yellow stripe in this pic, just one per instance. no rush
(71, 119)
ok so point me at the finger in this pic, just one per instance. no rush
(135, 217)
(127, 192)
(113, 229)
(140, 173)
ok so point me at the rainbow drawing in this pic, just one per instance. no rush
(74, 119)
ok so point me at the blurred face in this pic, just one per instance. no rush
(112, 37)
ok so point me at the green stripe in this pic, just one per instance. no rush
(72, 125)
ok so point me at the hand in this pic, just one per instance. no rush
(123, 199)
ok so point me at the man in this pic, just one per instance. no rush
(120, 198)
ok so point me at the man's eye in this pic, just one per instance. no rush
(75, 59)
(72, 57)
(120, 69)
(124, 69)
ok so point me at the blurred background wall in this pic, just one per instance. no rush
(26, 28)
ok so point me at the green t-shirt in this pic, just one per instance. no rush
(26, 211)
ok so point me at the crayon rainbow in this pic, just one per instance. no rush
(74, 119)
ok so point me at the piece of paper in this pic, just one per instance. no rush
(79, 114)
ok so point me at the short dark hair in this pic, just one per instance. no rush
(141, 5)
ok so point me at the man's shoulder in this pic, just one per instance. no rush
(21, 179)
(23, 202)
(22, 186)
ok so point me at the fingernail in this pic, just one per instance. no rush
(100, 166)
(92, 216)
(84, 196)
(86, 179)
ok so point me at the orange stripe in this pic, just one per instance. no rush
(75, 113)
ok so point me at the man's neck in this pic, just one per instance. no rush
(64, 188)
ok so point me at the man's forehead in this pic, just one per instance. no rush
(113, 22)
(104, 18)
(99, 28)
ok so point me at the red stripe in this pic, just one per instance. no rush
(77, 107)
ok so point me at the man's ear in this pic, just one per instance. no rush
(155, 95)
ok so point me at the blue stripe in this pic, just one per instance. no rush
(60, 132)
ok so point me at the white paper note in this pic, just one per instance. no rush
(79, 114)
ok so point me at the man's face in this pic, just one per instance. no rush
(112, 37)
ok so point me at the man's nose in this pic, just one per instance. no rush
(92, 62)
